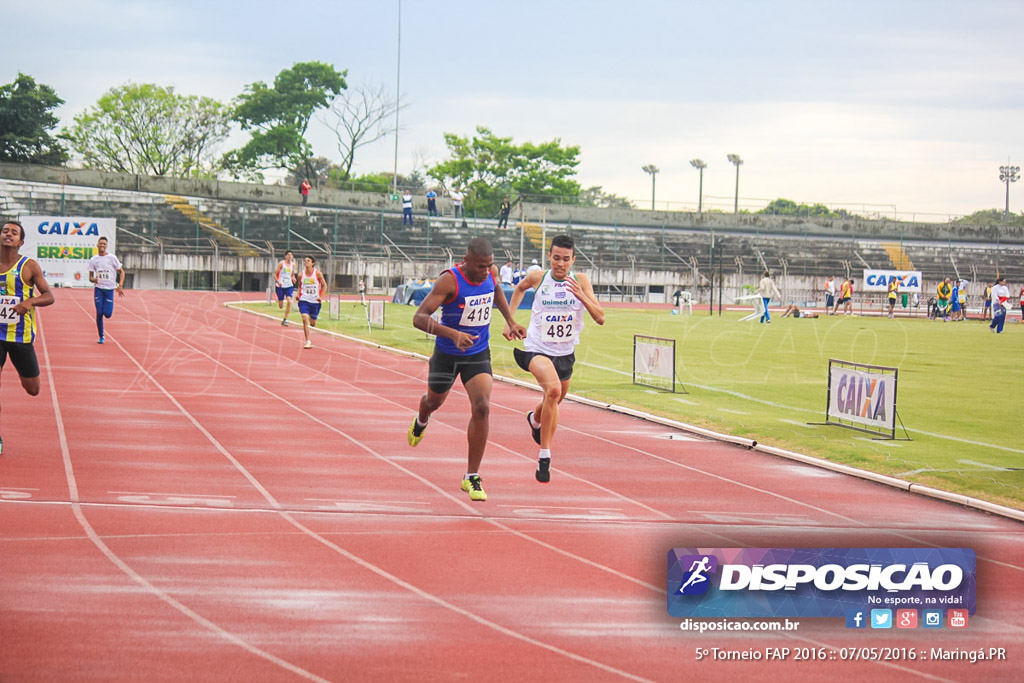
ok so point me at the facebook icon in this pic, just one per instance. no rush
(856, 618)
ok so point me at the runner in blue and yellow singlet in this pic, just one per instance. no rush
(465, 294)
(23, 289)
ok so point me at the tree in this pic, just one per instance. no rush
(26, 119)
(596, 196)
(148, 129)
(491, 167)
(319, 170)
(991, 217)
(279, 116)
(787, 207)
(357, 118)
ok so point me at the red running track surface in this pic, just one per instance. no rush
(200, 498)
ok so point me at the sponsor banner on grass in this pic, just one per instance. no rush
(817, 582)
(863, 395)
(878, 280)
(63, 245)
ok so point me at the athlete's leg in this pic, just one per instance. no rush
(479, 390)
(97, 297)
(554, 390)
(31, 385)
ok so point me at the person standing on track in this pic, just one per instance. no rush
(766, 288)
(22, 290)
(465, 294)
(894, 287)
(556, 321)
(312, 290)
(106, 273)
(284, 282)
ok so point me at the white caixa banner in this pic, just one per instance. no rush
(63, 245)
(862, 395)
(878, 280)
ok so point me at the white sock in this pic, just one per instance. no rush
(473, 474)
(421, 424)
(545, 453)
(533, 422)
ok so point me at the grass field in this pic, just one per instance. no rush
(961, 388)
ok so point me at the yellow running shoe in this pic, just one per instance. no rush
(474, 487)
(416, 433)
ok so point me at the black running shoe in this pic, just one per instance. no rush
(535, 430)
(543, 470)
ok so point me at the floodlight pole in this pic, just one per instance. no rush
(1008, 174)
(735, 160)
(653, 170)
(398, 95)
(700, 165)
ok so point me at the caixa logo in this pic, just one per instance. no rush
(783, 582)
(68, 228)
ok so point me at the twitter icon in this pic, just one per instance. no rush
(881, 618)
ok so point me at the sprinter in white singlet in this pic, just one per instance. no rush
(556, 321)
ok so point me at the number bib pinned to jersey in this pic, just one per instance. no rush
(311, 291)
(105, 278)
(7, 314)
(559, 328)
(477, 310)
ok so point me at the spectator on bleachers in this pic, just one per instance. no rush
(406, 207)
(431, 202)
(506, 207)
(304, 189)
(457, 198)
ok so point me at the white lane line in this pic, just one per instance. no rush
(122, 565)
(355, 558)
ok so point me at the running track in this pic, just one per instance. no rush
(202, 499)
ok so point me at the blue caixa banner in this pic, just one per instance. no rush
(817, 582)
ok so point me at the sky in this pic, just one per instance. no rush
(902, 108)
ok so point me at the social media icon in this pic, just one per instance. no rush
(856, 618)
(958, 618)
(931, 618)
(906, 618)
(881, 618)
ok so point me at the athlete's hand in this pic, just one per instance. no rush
(463, 341)
(514, 331)
(120, 290)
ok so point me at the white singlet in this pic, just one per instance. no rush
(556, 318)
(310, 287)
(284, 277)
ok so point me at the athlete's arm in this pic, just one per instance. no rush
(277, 272)
(584, 291)
(120, 281)
(513, 330)
(33, 275)
(530, 280)
(323, 286)
(443, 290)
